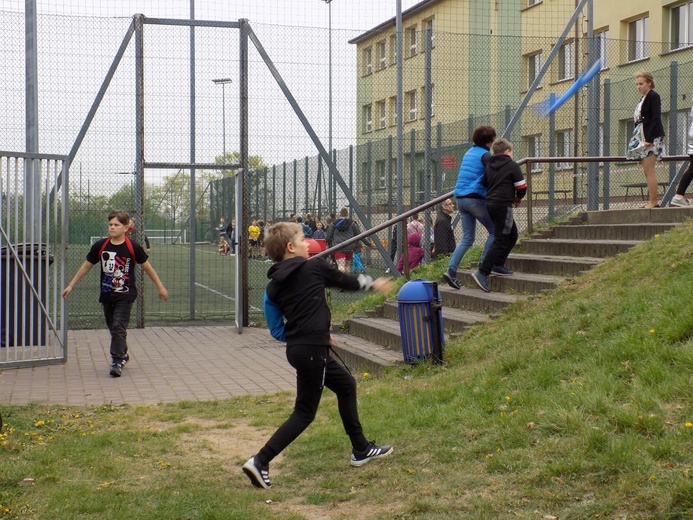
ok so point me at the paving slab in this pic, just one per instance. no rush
(167, 364)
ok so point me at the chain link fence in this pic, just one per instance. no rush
(191, 115)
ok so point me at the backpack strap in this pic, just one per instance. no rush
(128, 243)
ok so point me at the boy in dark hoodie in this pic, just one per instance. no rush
(296, 291)
(505, 187)
(344, 229)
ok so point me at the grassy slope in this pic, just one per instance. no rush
(576, 404)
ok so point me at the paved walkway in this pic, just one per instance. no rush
(167, 364)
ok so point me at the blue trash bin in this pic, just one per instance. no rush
(421, 321)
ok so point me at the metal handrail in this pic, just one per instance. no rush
(527, 161)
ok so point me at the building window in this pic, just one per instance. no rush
(564, 147)
(381, 174)
(382, 115)
(603, 47)
(533, 147)
(393, 49)
(367, 118)
(382, 58)
(530, 3)
(411, 105)
(682, 125)
(680, 25)
(566, 61)
(429, 25)
(411, 41)
(533, 68)
(638, 31)
(367, 61)
(393, 111)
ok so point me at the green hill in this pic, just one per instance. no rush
(576, 404)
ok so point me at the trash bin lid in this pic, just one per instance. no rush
(416, 291)
(27, 251)
(315, 246)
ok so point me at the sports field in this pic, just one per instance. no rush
(213, 289)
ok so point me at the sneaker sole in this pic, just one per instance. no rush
(679, 204)
(479, 284)
(496, 273)
(254, 475)
(359, 463)
(449, 280)
(115, 373)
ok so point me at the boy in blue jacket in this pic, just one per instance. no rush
(296, 291)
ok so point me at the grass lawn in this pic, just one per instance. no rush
(576, 404)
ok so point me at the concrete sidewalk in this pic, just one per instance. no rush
(167, 364)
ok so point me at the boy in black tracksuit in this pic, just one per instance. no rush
(296, 291)
(505, 187)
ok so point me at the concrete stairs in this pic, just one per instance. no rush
(540, 263)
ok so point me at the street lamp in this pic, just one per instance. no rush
(223, 82)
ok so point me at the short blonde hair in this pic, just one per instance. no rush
(501, 146)
(278, 237)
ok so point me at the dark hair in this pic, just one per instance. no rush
(121, 215)
(483, 135)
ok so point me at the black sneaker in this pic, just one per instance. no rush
(116, 369)
(501, 270)
(258, 475)
(359, 458)
(452, 282)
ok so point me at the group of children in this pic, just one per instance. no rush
(295, 308)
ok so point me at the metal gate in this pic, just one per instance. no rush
(33, 230)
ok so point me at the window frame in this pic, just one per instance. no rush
(565, 61)
(603, 47)
(393, 110)
(688, 21)
(381, 173)
(412, 104)
(638, 49)
(533, 65)
(368, 61)
(382, 56)
(382, 114)
(536, 150)
(566, 148)
(368, 118)
(426, 23)
(412, 36)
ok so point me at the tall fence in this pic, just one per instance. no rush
(32, 263)
(179, 208)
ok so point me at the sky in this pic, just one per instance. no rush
(78, 39)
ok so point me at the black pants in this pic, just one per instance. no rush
(504, 239)
(685, 179)
(315, 369)
(117, 314)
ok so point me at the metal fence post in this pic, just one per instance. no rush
(552, 153)
(606, 134)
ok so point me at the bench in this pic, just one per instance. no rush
(565, 193)
(642, 186)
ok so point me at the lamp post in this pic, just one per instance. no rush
(223, 82)
(329, 140)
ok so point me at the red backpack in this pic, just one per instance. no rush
(128, 243)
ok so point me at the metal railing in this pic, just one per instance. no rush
(527, 162)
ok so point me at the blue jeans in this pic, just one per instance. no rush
(471, 209)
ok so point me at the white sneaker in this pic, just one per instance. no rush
(682, 202)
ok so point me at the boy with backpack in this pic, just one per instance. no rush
(117, 256)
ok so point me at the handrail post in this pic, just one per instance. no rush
(528, 174)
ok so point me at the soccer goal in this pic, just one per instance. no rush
(159, 237)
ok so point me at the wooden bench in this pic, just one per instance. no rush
(536, 194)
(642, 186)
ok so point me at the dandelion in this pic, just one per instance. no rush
(657, 235)
(507, 398)
(689, 425)
(39, 423)
(652, 331)
(365, 374)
